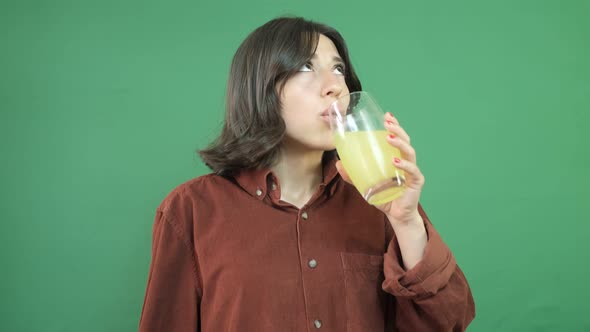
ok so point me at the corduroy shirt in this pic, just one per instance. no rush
(229, 255)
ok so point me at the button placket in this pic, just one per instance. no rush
(317, 323)
(312, 263)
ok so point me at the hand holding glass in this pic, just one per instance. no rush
(357, 124)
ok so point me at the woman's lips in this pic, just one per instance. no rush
(325, 118)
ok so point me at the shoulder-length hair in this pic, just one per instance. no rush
(253, 128)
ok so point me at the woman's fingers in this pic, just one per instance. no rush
(390, 117)
(405, 148)
(414, 176)
(397, 131)
(400, 139)
(392, 125)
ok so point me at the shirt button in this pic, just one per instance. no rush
(312, 263)
(258, 192)
(317, 323)
(304, 215)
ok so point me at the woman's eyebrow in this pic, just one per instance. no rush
(334, 58)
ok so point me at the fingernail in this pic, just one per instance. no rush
(391, 136)
(396, 160)
(389, 122)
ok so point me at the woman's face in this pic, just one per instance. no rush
(309, 93)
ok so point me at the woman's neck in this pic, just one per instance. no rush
(300, 174)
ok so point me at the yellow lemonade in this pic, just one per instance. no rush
(367, 157)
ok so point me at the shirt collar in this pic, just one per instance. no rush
(257, 182)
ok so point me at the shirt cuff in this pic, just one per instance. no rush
(427, 277)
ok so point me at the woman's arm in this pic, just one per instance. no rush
(432, 295)
(412, 239)
(173, 294)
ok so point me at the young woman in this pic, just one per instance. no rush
(276, 238)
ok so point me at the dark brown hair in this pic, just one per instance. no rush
(253, 129)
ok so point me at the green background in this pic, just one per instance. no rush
(104, 103)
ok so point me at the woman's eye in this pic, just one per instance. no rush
(306, 67)
(340, 68)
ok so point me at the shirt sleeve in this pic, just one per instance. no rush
(432, 296)
(172, 298)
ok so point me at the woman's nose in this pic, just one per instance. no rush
(332, 84)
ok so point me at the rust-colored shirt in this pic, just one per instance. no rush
(229, 255)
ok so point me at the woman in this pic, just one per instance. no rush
(276, 238)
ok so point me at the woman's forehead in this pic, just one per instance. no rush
(326, 49)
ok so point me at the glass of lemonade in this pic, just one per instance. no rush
(356, 121)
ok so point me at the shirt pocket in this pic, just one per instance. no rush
(364, 297)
